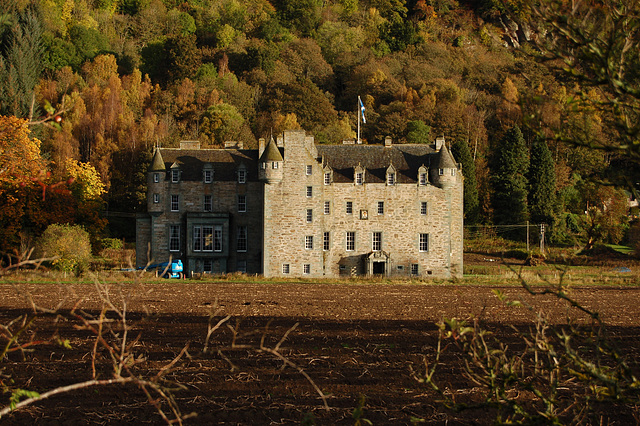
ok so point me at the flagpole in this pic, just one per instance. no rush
(358, 112)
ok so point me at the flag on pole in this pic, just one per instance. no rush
(364, 120)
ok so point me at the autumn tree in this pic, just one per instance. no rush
(21, 165)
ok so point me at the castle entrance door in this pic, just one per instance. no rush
(377, 263)
(379, 268)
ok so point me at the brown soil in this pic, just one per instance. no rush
(351, 340)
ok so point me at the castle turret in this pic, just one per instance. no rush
(445, 170)
(156, 175)
(270, 164)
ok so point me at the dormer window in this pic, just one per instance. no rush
(328, 175)
(207, 176)
(391, 178)
(358, 175)
(175, 176)
(423, 176)
(242, 176)
(391, 175)
(359, 178)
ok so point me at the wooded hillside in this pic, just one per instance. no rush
(101, 82)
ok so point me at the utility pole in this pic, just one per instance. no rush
(542, 238)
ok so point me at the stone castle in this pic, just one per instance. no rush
(294, 208)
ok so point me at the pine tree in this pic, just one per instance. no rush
(461, 153)
(542, 184)
(509, 179)
(20, 63)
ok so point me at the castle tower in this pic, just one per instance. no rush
(270, 164)
(444, 174)
(156, 175)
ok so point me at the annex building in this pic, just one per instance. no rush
(294, 208)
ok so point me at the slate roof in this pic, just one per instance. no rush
(271, 153)
(376, 159)
(225, 162)
(343, 159)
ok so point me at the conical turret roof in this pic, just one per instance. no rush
(271, 153)
(157, 163)
(445, 159)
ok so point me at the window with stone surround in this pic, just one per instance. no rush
(242, 203)
(380, 207)
(359, 178)
(217, 238)
(156, 198)
(156, 177)
(423, 208)
(175, 202)
(414, 269)
(208, 203)
(351, 241)
(306, 268)
(349, 207)
(285, 268)
(309, 215)
(242, 266)
(174, 237)
(424, 242)
(308, 242)
(327, 207)
(203, 238)
(242, 238)
(309, 191)
(242, 176)
(326, 241)
(376, 244)
(309, 169)
(208, 176)
(327, 178)
(175, 175)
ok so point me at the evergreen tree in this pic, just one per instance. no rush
(509, 179)
(542, 184)
(461, 153)
(21, 51)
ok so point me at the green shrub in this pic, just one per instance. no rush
(111, 243)
(69, 244)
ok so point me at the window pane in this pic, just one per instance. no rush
(326, 241)
(175, 203)
(351, 241)
(308, 242)
(197, 238)
(174, 238)
(217, 238)
(423, 208)
(242, 203)
(377, 241)
(424, 242)
(327, 207)
(349, 207)
(309, 215)
(207, 238)
(380, 207)
(242, 238)
(309, 169)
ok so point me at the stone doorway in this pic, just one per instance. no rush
(377, 263)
